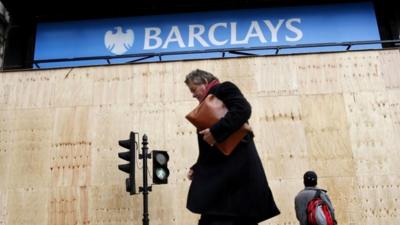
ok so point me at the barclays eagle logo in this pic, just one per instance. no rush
(119, 42)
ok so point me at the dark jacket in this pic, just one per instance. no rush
(233, 185)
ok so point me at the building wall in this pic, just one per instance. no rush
(337, 113)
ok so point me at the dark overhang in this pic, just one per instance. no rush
(40, 10)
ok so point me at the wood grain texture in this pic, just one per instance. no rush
(338, 114)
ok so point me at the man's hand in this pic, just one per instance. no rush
(190, 174)
(208, 137)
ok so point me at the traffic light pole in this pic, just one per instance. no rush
(145, 189)
(160, 169)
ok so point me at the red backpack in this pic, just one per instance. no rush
(318, 212)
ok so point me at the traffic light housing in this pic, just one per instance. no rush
(129, 168)
(160, 167)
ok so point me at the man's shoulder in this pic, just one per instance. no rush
(226, 87)
(314, 189)
(303, 193)
(310, 191)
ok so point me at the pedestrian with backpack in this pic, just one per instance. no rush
(312, 204)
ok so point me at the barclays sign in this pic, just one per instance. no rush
(119, 42)
(207, 30)
(207, 37)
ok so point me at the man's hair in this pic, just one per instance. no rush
(310, 179)
(199, 77)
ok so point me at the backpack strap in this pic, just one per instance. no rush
(318, 193)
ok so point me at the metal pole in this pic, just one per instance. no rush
(145, 189)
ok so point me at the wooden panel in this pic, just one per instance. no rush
(73, 88)
(394, 115)
(318, 74)
(361, 72)
(168, 205)
(71, 147)
(329, 149)
(6, 143)
(328, 141)
(3, 207)
(112, 205)
(110, 124)
(35, 89)
(379, 196)
(375, 145)
(372, 133)
(6, 88)
(277, 123)
(30, 140)
(27, 206)
(284, 191)
(237, 71)
(180, 141)
(390, 67)
(69, 205)
(113, 85)
(274, 76)
(344, 194)
(335, 113)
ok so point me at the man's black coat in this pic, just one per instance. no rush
(233, 185)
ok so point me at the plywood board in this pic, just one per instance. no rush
(335, 113)
(318, 74)
(361, 71)
(27, 206)
(389, 68)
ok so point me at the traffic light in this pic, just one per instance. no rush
(129, 167)
(160, 167)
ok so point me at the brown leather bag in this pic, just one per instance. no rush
(208, 113)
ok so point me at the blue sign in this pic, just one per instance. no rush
(208, 30)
